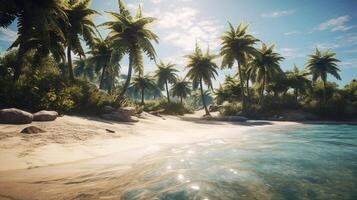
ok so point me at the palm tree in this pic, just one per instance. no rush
(105, 59)
(266, 67)
(142, 82)
(131, 34)
(80, 26)
(298, 80)
(201, 68)
(38, 25)
(84, 68)
(238, 46)
(166, 73)
(322, 63)
(181, 89)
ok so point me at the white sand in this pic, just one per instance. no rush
(78, 148)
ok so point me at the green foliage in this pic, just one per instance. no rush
(230, 108)
(169, 108)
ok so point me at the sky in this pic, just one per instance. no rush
(296, 27)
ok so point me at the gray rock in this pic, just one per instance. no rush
(45, 115)
(32, 130)
(108, 109)
(15, 116)
(213, 108)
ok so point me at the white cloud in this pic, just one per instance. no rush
(327, 45)
(160, 1)
(292, 33)
(351, 63)
(336, 24)
(7, 35)
(290, 53)
(182, 26)
(278, 13)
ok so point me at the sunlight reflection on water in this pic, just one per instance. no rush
(310, 162)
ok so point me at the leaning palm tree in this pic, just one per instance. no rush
(322, 63)
(266, 67)
(142, 83)
(181, 89)
(84, 68)
(238, 46)
(201, 68)
(131, 34)
(104, 58)
(165, 74)
(38, 29)
(80, 26)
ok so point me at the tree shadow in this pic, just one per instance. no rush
(221, 122)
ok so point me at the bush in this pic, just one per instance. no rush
(169, 108)
(230, 108)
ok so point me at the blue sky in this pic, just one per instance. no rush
(296, 27)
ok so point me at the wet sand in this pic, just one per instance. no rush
(78, 159)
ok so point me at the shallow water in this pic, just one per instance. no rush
(305, 162)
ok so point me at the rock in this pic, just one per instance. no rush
(297, 115)
(32, 130)
(118, 116)
(108, 109)
(110, 131)
(156, 112)
(131, 111)
(45, 115)
(15, 116)
(146, 115)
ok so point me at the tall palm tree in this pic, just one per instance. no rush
(238, 46)
(84, 68)
(201, 68)
(80, 26)
(266, 67)
(166, 73)
(298, 80)
(105, 59)
(143, 82)
(131, 35)
(322, 63)
(181, 89)
(38, 28)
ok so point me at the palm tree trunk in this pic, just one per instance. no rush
(241, 85)
(127, 82)
(70, 67)
(19, 62)
(102, 78)
(248, 93)
(262, 91)
(167, 92)
(296, 94)
(324, 92)
(181, 100)
(142, 96)
(203, 98)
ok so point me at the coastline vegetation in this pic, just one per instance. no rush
(39, 72)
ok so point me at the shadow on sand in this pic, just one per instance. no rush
(217, 122)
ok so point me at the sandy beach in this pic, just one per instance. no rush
(80, 150)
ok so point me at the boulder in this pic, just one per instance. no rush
(127, 110)
(108, 109)
(118, 116)
(15, 116)
(45, 115)
(32, 130)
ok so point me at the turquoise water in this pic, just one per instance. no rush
(302, 162)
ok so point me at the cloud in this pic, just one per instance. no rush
(7, 35)
(290, 53)
(351, 63)
(327, 45)
(161, 1)
(278, 13)
(336, 24)
(292, 33)
(181, 27)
